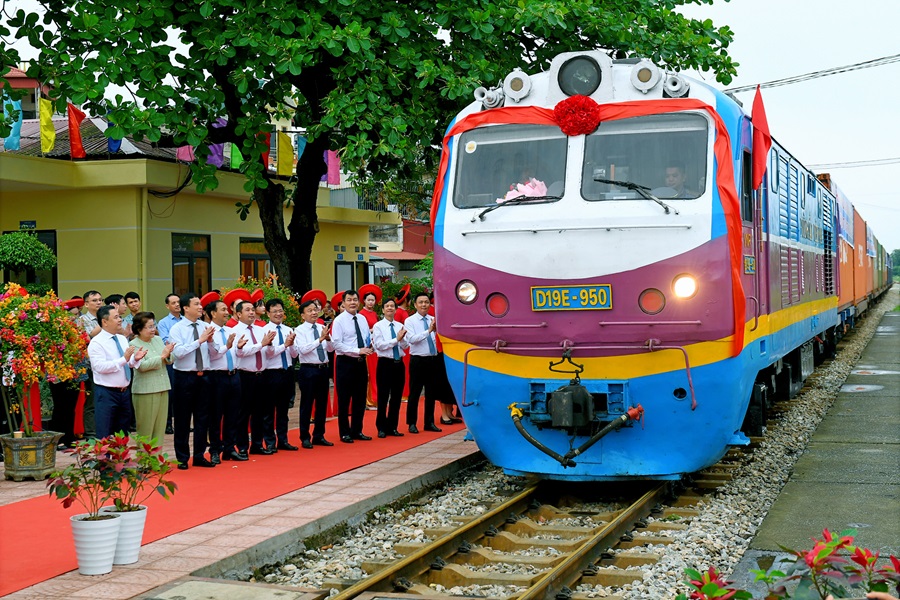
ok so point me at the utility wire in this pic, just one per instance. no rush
(884, 60)
(877, 162)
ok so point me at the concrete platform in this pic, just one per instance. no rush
(849, 476)
(175, 567)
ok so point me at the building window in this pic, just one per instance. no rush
(190, 264)
(255, 261)
(44, 280)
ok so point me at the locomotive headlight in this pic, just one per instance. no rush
(684, 286)
(645, 75)
(466, 292)
(579, 75)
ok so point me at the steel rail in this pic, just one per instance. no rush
(444, 547)
(569, 570)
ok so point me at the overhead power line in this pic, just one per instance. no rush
(877, 162)
(884, 60)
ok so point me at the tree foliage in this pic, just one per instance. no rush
(21, 250)
(378, 81)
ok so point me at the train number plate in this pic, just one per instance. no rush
(578, 297)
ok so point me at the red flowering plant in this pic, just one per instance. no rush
(38, 338)
(577, 115)
(709, 585)
(832, 567)
(144, 471)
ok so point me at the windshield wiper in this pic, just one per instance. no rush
(640, 189)
(517, 200)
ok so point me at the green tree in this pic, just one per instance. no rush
(378, 81)
(895, 262)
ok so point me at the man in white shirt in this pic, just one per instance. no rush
(112, 362)
(250, 341)
(389, 341)
(313, 343)
(279, 378)
(351, 339)
(224, 384)
(193, 345)
(93, 300)
(162, 328)
(423, 369)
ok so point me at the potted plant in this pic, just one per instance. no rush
(144, 471)
(37, 339)
(90, 481)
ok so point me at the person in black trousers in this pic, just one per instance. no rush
(351, 340)
(313, 343)
(389, 341)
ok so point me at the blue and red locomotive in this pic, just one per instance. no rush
(613, 299)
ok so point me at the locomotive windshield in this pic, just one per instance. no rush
(504, 162)
(665, 153)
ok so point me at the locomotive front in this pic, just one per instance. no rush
(585, 283)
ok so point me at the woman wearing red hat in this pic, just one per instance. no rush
(370, 294)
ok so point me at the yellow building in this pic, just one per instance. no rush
(111, 233)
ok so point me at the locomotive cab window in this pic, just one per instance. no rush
(666, 154)
(510, 162)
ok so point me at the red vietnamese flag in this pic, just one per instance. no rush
(762, 140)
(76, 148)
(265, 155)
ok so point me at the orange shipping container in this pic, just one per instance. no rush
(862, 264)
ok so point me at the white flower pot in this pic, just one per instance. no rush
(95, 543)
(131, 533)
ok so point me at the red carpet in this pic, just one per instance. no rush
(41, 525)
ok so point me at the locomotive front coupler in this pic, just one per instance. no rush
(635, 413)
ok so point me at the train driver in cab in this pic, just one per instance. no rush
(675, 179)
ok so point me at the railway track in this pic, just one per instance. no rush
(595, 552)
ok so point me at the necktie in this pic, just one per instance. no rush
(258, 354)
(359, 338)
(281, 341)
(431, 348)
(227, 351)
(122, 353)
(320, 351)
(198, 356)
(396, 349)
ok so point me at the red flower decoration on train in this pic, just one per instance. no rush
(577, 115)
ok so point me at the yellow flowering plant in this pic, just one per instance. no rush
(38, 338)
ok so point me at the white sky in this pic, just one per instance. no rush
(837, 119)
(841, 118)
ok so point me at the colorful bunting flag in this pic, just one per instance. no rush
(334, 168)
(217, 151)
(185, 153)
(76, 147)
(301, 146)
(285, 162)
(14, 139)
(265, 156)
(48, 131)
(236, 158)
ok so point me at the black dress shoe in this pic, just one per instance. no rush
(433, 428)
(286, 446)
(446, 421)
(182, 466)
(308, 444)
(263, 451)
(362, 437)
(321, 442)
(243, 456)
(169, 430)
(413, 429)
(395, 433)
(214, 458)
(199, 461)
(347, 439)
(382, 434)
(234, 456)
